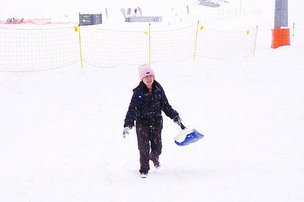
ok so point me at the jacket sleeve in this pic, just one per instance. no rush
(131, 113)
(166, 107)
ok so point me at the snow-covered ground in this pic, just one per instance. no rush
(61, 132)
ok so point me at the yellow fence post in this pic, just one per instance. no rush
(293, 29)
(149, 48)
(195, 43)
(77, 29)
(255, 40)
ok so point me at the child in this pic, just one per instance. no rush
(147, 102)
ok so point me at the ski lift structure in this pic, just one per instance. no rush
(90, 19)
(280, 32)
(135, 15)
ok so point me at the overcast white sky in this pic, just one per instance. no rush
(48, 9)
(20, 7)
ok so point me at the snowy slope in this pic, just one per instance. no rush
(61, 141)
(61, 133)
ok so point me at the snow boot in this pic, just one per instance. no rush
(155, 161)
(143, 175)
(156, 164)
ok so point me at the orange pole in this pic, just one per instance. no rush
(280, 37)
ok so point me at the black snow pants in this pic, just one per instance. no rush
(149, 144)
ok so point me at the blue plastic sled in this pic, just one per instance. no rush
(187, 136)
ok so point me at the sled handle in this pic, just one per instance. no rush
(182, 126)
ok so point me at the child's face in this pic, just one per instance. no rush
(148, 81)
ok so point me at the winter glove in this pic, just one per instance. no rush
(126, 131)
(177, 120)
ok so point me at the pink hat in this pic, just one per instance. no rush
(145, 70)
